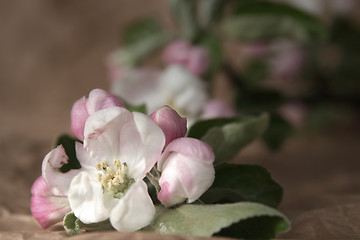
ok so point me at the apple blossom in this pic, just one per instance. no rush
(170, 123)
(193, 58)
(187, 171)
(175, 87)
(217, 108)
(119, 148)
(83, 108)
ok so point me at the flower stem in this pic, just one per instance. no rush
(154, 181)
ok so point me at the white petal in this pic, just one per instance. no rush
(139, 87)
(86, 161)
(134, 211)
(87, 199)
(115, 133)
(51, 165)
(141, 145)
(102, 133)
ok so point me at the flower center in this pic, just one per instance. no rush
(114, 177)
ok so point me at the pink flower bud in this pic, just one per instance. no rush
(176, 52)
(46, 207)
(173, 125)
(195, 59)
(257, 49)
(217, 108)
(187, 171)
(83, 108)
(198, 61)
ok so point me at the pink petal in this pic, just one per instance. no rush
(79, 114)
(189, 147)
(100, 99)
(176, 52)
(47, 208)
(51, 165)
(217, 108)
(198, 61)
(187, 171)
(173, 125)
(83, 108)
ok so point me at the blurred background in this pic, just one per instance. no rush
(306, 75)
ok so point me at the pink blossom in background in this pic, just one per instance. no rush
(294, 112)
(256, 49)
(173, 125)
(287, 63)
(84, 107)
(194, 58)
(217, 108)
(187, 171)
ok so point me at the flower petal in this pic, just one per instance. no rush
(51, 165)
(87, 200)
(102, 131)
(189, 147)
(141, 145)
(79, 114)
(115, 133)
(139, 86)
(217, 108)
(100, 99)
(134, 211)
(47, 208)
(187, 171)
(170, 123)
(86, 161)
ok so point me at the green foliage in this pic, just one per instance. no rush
(140, 40)
(227, 136)
(278, 131)
(235, 183)
(259, 99)
(69, 145)
(212, 44)
(71, 224)
(261, 20)
(132, 108)
(184, 13)
(206, 220)
(140, 30)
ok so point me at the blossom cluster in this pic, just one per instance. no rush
(117, 149)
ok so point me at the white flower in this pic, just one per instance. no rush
(175, 87)
(119, 148)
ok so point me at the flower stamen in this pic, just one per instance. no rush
(114, 177)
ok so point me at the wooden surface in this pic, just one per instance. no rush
(52, 53)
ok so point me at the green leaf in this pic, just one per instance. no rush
(259, 99)
(209, 11)
(184, 13)
(69, 145)
(235, 183)
(262, 20)
(71, 224)
(132, 108)
(212, 44)
(133, 54)
(139, 30)
(206, 220)
(228, 136)
(278, 131)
